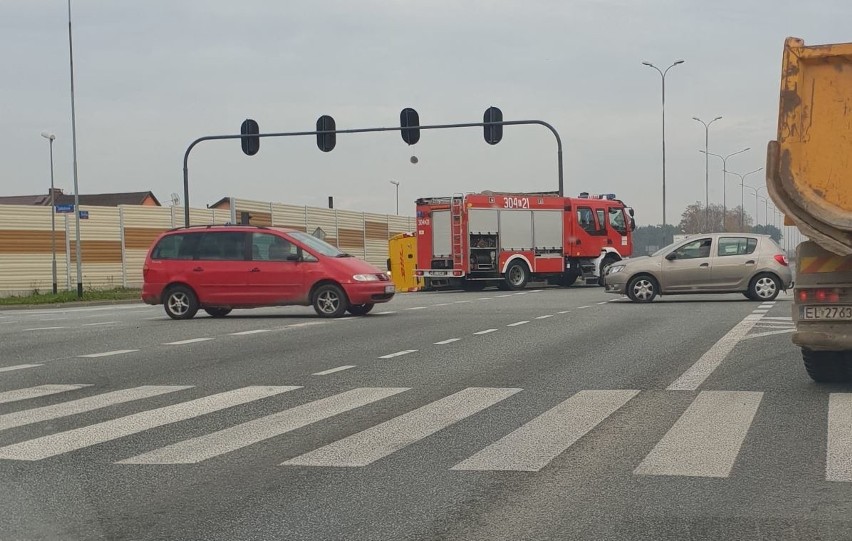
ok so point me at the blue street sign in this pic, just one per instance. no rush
(84, 214)
(64, 208)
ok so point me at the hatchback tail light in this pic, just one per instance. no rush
(820, 295)
(782, 259)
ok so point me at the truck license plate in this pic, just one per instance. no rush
(439, 273)
(836, 313)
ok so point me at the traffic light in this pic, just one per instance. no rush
(409, 121)
(250, 144)
(493, 133)
(326, 141)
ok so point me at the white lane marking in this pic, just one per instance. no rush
(778, 318)
(448, 341)
(99, 323)
(759, 311)
(44, 328)
(564, 312)
(503, 296)
(82, 405)
(236, 437)
(768, 333)
(72, 440)
(484, 298)
(581, 307)
(713, 357)
(398, 354)
(107, 353)
(515, 324)
(416, 308)
(18, 367)
(532, 446)
(544, 317)
(522, 293)
(486, 331)
(386, 313)
(838, 459)
(604, 302)
(333, 370)
(309, 323)
(536, 290)
(461, 302)
(706, 439)
(253, 331)
(36, 392)
(366, 447)
(189, 341)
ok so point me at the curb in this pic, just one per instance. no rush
(70, 304)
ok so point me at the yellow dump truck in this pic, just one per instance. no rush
(809, 177)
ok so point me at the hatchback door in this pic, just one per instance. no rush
(734, 262)
(687, 268)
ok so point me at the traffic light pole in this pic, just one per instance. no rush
(368, 130)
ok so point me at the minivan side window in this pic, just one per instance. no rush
(178, 246)
(266, 247)
(736, 246)
(222, 246)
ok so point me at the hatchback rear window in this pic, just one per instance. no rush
(737, 245)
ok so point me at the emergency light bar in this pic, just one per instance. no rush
(607, 196)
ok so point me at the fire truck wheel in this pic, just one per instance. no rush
(605, 264)
(567, 280)
(517, 275)
(825, 366)
(642, 288)
(473, 285)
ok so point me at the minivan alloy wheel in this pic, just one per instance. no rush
(179, 303)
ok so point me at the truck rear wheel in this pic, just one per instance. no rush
(826, 366)
(517, 275)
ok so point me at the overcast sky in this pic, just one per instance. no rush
(152, 76)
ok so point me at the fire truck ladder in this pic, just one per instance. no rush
(457, 229)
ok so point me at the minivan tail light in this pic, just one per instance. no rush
(782, 259)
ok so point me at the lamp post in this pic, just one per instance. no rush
(725, 182)
(51, 137)
(663, 78)
(742, 193)
(707, 169)
(396, 183)
(74, 150)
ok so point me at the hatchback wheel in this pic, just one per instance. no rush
(180, 302)
(360, 309)
(330, 301)
(764, 287)
(642, 289)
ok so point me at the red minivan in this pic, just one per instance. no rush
(221, 267)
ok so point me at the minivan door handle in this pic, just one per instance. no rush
(198, 269)
(255, 270)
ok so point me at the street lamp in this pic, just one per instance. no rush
(50, 137)
(707, 168)
(396, 183)
(724, 182)
(74, 150)
(742, 193)
(663, 78)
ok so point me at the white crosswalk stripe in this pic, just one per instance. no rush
(532, 446)
(366, 447)
(36, 392)
(72, 440)
(83, 405)
(230, 439)
(706, 439)
(838, 462)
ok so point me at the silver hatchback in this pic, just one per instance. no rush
(753, 265)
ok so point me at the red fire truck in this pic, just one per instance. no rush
(507, 239)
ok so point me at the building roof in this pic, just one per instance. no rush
(96, 200)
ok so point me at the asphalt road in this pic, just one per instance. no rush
(548, 414)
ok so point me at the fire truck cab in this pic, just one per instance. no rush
(508, 239)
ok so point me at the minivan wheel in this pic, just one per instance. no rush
(330, 301)
(218, 312)
(180, 302)
(764, 287)
(360, 309)
(642, 288)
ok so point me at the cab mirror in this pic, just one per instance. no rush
(671, 256)
(295, 257)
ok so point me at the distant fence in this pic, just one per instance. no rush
(115, 240)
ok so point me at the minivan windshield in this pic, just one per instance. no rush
(317, 245)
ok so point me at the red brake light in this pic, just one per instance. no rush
(803, 295)
(822, 295)
(782, 259)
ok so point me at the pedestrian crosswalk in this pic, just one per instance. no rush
(703, 438)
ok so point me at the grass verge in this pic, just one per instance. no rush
(37, 297)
